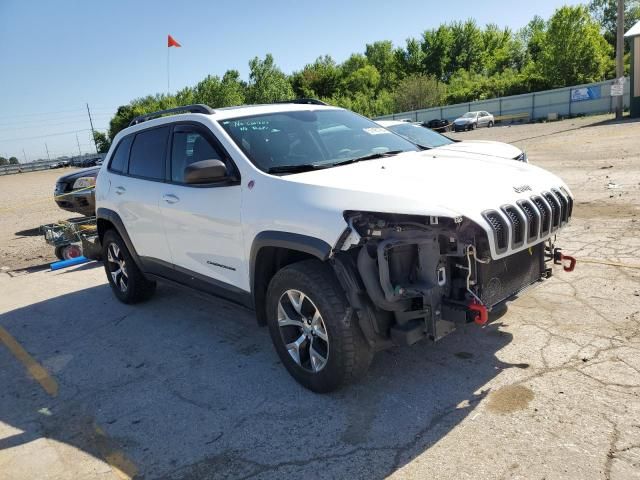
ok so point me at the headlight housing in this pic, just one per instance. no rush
(84, 182)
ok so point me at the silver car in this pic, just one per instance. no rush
(471, 120)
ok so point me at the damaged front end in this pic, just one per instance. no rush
(410, 277)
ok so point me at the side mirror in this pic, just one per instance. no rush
(205, 171)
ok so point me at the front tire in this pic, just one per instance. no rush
(313, 328)
(490, 124)
(127, 281)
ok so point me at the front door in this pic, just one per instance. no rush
(202, 222)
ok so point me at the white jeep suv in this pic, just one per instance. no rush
(344, 237)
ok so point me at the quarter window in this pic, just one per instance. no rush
(148, 153)
(189, 146)
(118, 161)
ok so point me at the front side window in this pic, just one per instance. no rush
(148, 154)
(311, 139)
(189, 146)
(118, 162)
(420, 135)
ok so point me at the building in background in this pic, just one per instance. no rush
(633, 35)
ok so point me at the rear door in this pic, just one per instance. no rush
(137, 194)
(202, 222)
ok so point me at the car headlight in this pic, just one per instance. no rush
(84, 182)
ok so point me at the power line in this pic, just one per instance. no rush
(70, 119)
(35, 114)
(49, 135)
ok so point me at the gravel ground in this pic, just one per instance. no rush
(186, 388)
(26, 202)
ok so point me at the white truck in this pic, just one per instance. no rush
(343, 236)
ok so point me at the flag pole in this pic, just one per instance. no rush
(168, 78)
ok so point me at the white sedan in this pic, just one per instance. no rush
(471, 120)
(427, 139)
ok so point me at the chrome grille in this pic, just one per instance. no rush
(531, 220)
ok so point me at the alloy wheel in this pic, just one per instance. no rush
(117, 267)
(303, 330)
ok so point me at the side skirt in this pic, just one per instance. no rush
(162, 271)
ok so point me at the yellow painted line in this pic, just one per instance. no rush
(607, 262)
(37, 371)
(121, 465)
(117, 460)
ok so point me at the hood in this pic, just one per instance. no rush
(482, 147)
(85, 172)
(430, 183)
(463, 120)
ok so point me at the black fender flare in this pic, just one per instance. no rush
(293, 241)
(115, 220)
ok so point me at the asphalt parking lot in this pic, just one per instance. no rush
(184, 387)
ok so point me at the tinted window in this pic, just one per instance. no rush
(420, 135)
(119, 159)
(190, 146)
(148, 153)
(320, 137)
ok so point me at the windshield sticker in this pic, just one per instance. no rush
(376, 130)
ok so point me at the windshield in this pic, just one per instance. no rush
(420, 135)
(469, 115)
(319, 138)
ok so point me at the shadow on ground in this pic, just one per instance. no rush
(191, 388)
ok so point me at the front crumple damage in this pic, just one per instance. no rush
(418, 277)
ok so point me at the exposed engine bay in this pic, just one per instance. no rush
(413, 277)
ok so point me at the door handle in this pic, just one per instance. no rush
(170, 198)
(120, 190)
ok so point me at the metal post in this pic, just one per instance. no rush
(533, 107)
(93, 133)
(78, 142)
(47, 148)
(24, 155)
(620, 53)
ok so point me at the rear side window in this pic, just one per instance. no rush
(118, 162)
(148, 154)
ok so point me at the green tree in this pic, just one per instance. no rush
(436, 46)
(267, 83)
(381, 55)
(14, 161)
(606, 13)
(574, 51)
(3, 161)
(410, 60)
(418, 91)
(102, 141)
(319, 79)
(466, 50)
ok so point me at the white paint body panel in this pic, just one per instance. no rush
(443, 182)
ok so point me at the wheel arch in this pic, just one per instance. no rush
(272, 250)
(109, 220)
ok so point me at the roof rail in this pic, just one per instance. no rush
(196, 108)
(304, 101)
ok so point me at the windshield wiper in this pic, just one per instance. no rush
(304, 167)
(372, 156)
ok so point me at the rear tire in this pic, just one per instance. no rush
(313, 328)
(127, 281)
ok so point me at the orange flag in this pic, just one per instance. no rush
(171, 42)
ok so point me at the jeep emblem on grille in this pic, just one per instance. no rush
(522, 188)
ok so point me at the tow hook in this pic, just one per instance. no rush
(559, 259)
(481, 316)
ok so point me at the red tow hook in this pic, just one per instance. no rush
(559, 259)
(481, 312)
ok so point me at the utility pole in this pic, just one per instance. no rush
(93, 133)
(620, 54)
(78, 142)
(45, 146)
(24, 155)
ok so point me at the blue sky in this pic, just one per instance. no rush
(55, 56)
